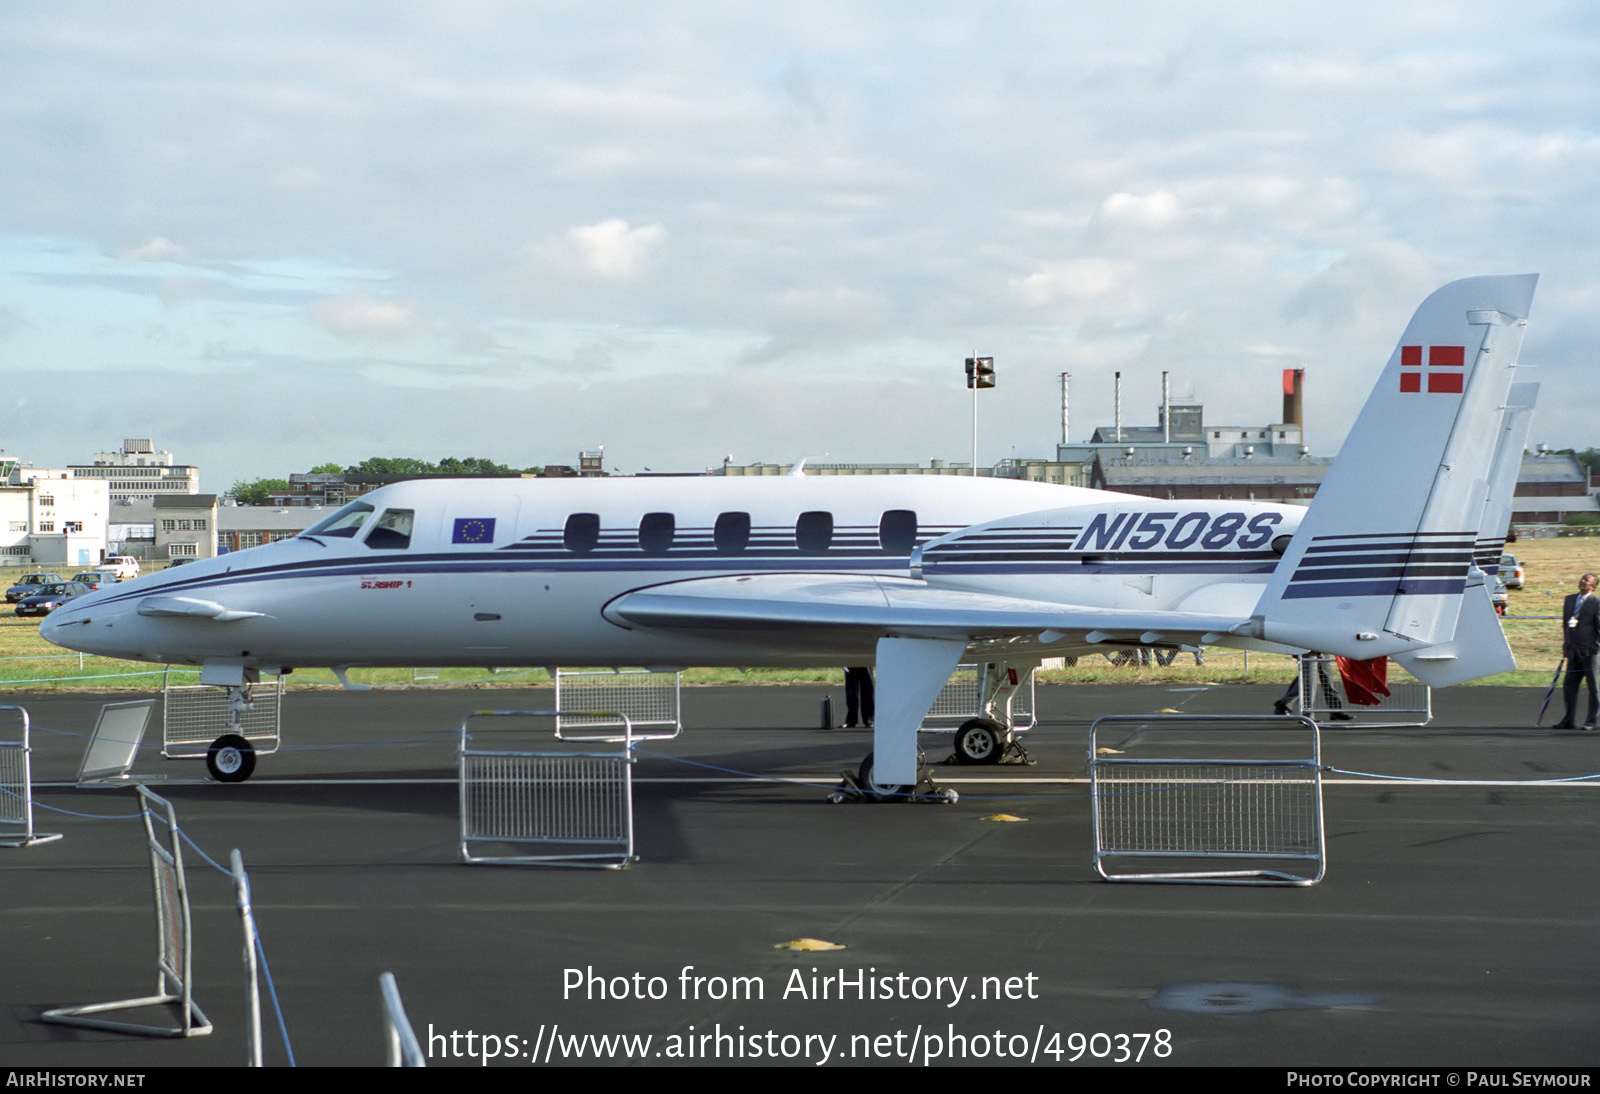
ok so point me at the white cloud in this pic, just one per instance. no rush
(355, 314)
(1079, 280)
(156, 249)
(1150, 212)
(612, 250)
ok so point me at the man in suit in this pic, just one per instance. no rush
(858, 696)
(1580, 644)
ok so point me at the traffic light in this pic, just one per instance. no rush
(980, 372)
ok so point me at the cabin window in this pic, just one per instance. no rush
(345, 523)
(392, 531)
(655, 533)
(731, 533)
(897, 531)
(813, 532)
(581, 533)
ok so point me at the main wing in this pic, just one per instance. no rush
(918, 632)
(877, 607)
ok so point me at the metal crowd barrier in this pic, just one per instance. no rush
(194, 715)
(567, 807)
(16, 782)
(1322, 699)
(647, 698)
(401, 1047)
(962, 696)
(174, 940)
(252, 988)
(1242, 795)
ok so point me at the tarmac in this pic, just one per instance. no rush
(1456, 925)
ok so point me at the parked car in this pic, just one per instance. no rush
(126, 567)
(30, 584)
(1499, 598)
(50, 597)
(1511, 571)
(96, 579)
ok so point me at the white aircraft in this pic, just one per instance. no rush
(911, 574)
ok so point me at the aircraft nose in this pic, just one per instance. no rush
(57, 627)
(69, 626)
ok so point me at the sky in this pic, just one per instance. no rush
(273, 235)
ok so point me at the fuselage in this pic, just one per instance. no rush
(518, 572)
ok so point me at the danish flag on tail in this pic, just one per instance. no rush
(1445, 370)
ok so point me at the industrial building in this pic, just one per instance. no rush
(138, 473)
(1551, 487)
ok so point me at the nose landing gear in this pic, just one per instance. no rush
(231, 757)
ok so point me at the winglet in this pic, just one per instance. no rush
(1380, 562)
(1479, 646)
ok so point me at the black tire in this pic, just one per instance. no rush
(881, 792)
(980, 741)
(231, 759)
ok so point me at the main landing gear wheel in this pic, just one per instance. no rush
(231, 759)
(865, 787)
(980, 741)
(883, 792)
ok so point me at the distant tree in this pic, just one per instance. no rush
(327, 469)
(450, 465)
(1590, 458)
(472, 465)
(389, 465)
(257, 492)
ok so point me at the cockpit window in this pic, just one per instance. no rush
(392, 531)
(346, 522)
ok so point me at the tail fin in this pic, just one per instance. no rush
(1380, 563)
(1514, 426)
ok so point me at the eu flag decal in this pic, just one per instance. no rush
(473, 530)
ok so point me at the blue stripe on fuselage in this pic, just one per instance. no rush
(501, 562)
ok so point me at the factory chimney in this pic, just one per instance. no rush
(1117, 385)
(1294, 380)
(1065, 376)
(1166, 409)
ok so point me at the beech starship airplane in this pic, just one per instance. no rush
(912, 574)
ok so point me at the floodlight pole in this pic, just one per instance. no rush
(980, 373)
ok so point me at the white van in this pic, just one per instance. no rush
(126, 567)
